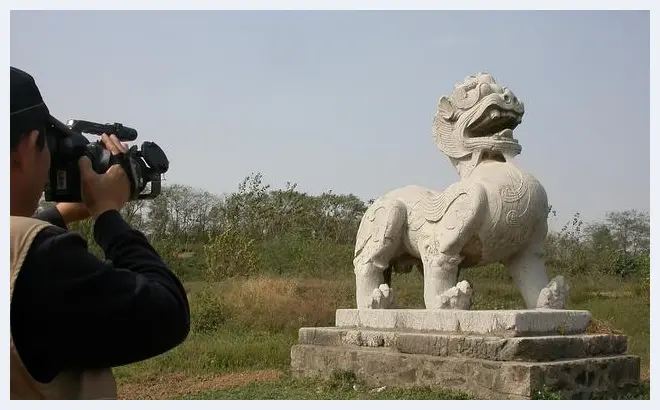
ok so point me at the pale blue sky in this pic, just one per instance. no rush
(344, 100)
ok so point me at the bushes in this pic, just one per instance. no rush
(616, 248)
(228, 254)
(208, 312)
(585, 261)
(300, 256)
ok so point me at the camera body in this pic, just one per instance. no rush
(67, 145)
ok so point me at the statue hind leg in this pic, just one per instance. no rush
(372, 262)
(527, 268)
(370, 289)
(387, 276)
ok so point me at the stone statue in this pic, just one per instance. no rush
(496, 212)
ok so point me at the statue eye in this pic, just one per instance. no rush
(486, 89)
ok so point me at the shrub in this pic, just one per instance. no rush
(228, 254)
(301, 256)
(208, 312)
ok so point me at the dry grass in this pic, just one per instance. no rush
(172, 386)
(602, 327)
(612, 294)
(274, 303)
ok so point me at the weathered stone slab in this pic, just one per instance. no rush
(496, 322)
(574, 379)
(537, 348)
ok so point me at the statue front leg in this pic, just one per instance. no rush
(441, 253)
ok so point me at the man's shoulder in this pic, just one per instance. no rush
(40, 230)
(27, 220)
(43, 246)
(23, 225)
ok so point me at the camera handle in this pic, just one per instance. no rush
(127, 162)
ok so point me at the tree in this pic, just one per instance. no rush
(631, 230)
(600, 237)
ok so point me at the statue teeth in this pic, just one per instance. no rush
(506, 134)
(494, 114)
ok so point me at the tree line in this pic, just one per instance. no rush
(260, 229)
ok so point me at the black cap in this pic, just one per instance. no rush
(27, 107)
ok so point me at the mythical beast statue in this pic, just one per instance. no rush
(495, 213)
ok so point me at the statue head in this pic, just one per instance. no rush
(478, 120)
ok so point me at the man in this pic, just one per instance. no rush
(74, 316)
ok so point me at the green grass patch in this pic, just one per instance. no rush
(227, 350)
(341, 387)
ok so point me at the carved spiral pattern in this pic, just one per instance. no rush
(513, 219)
(511, 193)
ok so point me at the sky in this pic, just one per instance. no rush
(344, 101)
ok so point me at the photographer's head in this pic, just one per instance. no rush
(29, 156)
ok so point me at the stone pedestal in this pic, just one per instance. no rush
(493, 354)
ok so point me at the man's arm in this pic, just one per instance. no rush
(73, 310)
(52, 215)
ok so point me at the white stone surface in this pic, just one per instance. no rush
(510, 322)
(554, 295)
(382, 297)
(495, 212)
(457, 297)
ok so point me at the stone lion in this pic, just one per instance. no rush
(496, 212)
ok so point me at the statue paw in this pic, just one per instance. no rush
(458, 297)
(382, 297)
(554, 295)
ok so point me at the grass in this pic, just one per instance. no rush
(227, 350)
(340, 387)
(247, 326)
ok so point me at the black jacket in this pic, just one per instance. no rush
(72, 310)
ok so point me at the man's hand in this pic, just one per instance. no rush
(109, 191)
(72, 212)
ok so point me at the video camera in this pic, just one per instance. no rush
(67, 145)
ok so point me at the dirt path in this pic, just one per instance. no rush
(173, 386)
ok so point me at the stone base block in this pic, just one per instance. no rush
(496, 322)
(488, 379)
(497, 348)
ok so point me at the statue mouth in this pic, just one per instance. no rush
(495, 123)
